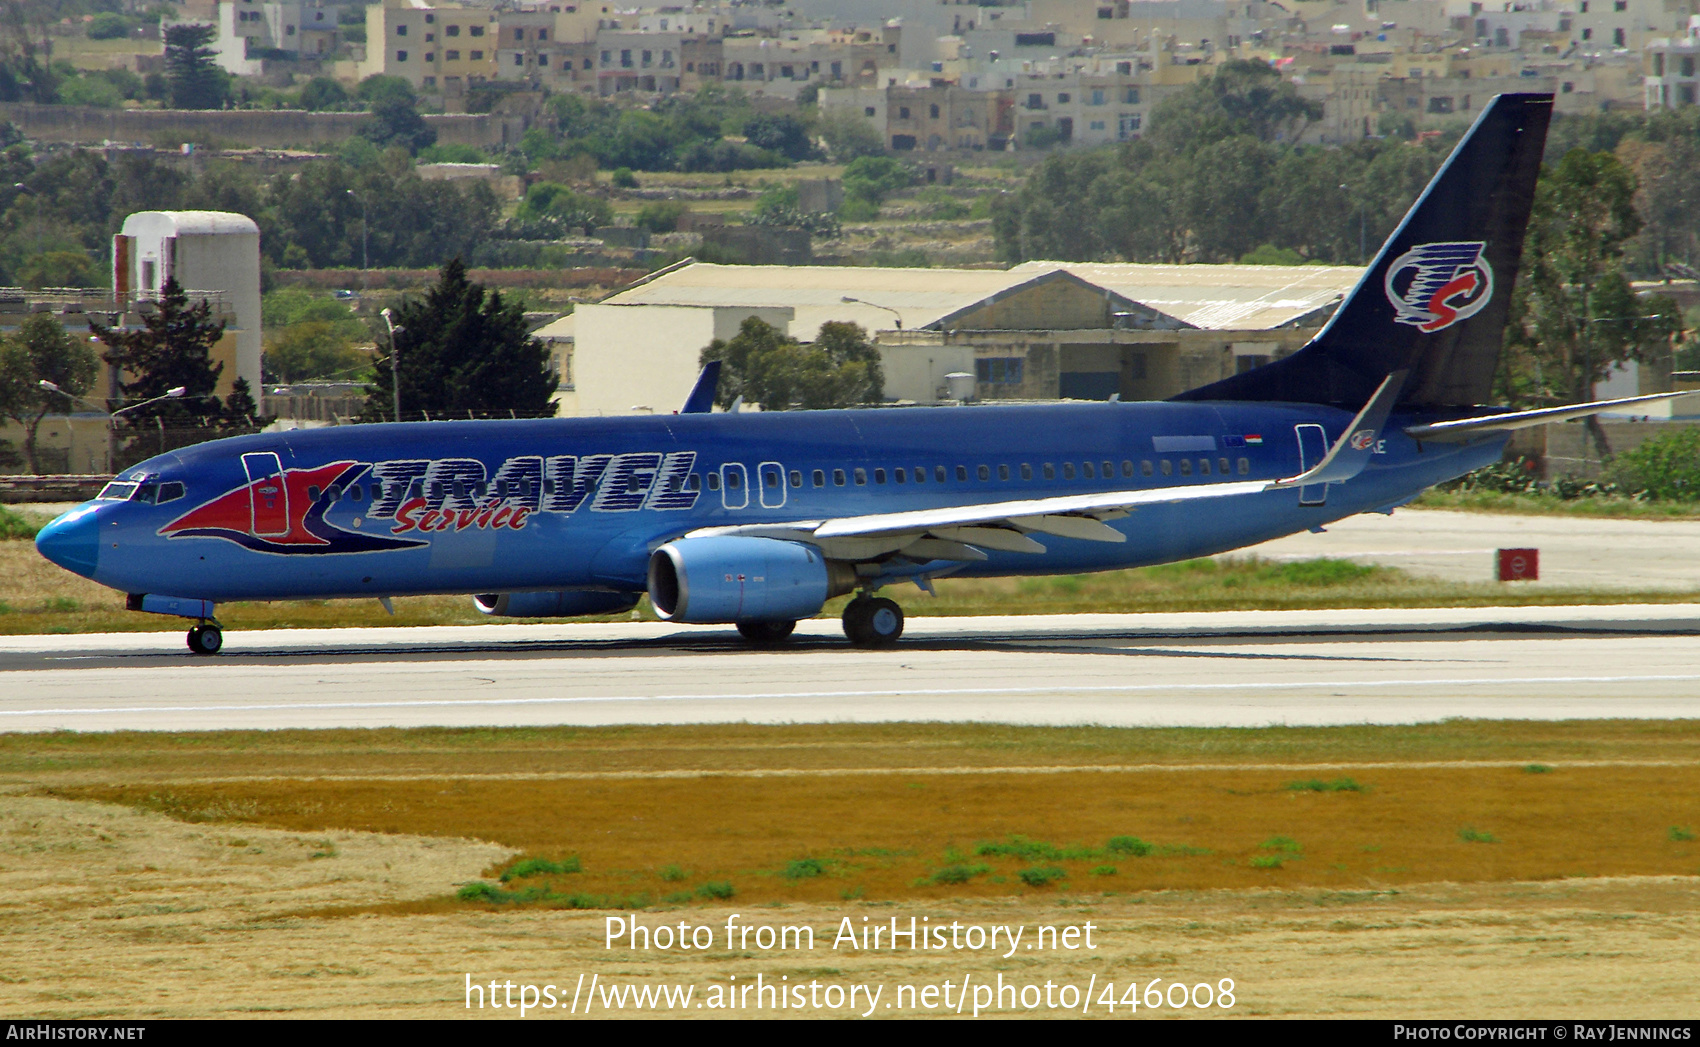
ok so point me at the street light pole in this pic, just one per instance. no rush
(170, 394)
(395, 371)
(365, 259)
(876, 305)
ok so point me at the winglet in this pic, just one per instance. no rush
(1347, 458)
(701, 400)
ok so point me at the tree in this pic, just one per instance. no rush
(196, 80)
(42, 350)
(763, 365)
(172, 348)
(462, 351)
(59, 269)
(1574, 314)
(849, 137)
(396, 121)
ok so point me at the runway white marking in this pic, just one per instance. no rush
(816, 695)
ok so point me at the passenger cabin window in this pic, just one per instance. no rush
(939, 473)
(819, 477)
(1050, 471)
(984, 472)
(879, 476)
(734, 480)
(714, 481)
(900, 474)
(1168, 467)
(961, 474)
(1145, 467)
(861, 477)
(797, 478)
(920, 474)
(1109, 470)
(838, 478)
(1245, 466)
(1003, 472)
(1186, 466)
(1068, 470)
(1026, 471)
(1204, 467)
(1222, 466)
(1127, 468)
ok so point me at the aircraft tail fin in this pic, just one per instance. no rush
(1435, 299)
(701, 400)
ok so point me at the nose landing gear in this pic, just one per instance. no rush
(206, 638)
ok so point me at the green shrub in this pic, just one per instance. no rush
(1104, 870)
(624, 179)
(14, 526)
(479, 892)
(540, 867)
(804, 869)
(672, 873)
(1042, 875)
(661, 216)
(1128, 845)
(1667, 467)
(1317, 785)
(715, 889)
(1473, 835)
(1678, 834)
(1537, 768)
(957, 872)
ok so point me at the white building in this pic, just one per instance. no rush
(1670, 65)
(214, 256)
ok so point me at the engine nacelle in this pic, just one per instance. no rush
(738, 579)
(570, 604)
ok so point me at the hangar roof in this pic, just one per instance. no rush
(1221, 297)
(1216, 297)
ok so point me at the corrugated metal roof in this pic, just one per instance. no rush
(1219, 297)
(816, 292)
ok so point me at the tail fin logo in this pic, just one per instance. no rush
(1433, 286)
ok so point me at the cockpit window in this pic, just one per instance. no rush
(116, 492)
(145, 493)
(170, 491)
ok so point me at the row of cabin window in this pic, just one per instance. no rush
(840, 478)
(1086, 470)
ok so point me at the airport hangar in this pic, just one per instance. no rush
(1037, 331)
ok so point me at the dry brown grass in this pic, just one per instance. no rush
(264, 892)
(885, 809)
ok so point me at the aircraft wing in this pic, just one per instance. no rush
(953, 532)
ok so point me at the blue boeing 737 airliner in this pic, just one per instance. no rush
(758, 519)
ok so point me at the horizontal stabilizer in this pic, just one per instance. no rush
(1464, 428)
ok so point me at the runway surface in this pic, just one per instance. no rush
(1576, 552)
(1224, 669)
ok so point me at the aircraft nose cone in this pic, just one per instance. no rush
(72, 541)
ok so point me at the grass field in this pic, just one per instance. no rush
(635, 817)
(1605, 507)
(1464, 868)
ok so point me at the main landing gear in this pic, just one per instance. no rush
(871, 621)
(206, 638)
(773, 631)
